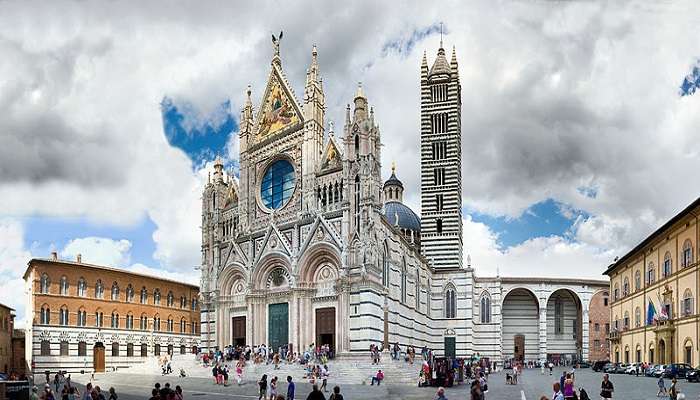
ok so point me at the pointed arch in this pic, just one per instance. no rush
(450, 300)
(485, 307)
(687, 254)
(45, 283)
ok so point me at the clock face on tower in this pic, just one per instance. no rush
(277, 184)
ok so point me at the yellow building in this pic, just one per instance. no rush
(661, 270)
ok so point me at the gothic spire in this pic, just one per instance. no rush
(313, 69)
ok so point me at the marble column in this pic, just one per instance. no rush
(543, 329)
(584, 333)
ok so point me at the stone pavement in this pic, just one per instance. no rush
(531, 386)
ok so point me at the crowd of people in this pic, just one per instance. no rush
(65, 390)
(165, 392)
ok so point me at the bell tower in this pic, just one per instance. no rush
(441, 161)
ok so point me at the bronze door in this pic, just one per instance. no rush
(238, 327)
(325, 327)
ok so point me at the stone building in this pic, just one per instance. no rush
(89, 317)
(19, 362)
(307, 244)
(7, 322)
(654, 291)
(599, 326)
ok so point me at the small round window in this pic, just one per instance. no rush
(277, 184)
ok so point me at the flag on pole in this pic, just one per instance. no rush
(651, 313)
(663, 315)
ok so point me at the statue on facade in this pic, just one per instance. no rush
(276, 43)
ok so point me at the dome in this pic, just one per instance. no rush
(407, 219)
(393, 180)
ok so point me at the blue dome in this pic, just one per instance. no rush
(407, 219)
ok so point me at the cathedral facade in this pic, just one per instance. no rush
(310, 245)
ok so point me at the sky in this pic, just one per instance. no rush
(579, 120)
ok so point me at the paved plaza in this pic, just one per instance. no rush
(532, 385)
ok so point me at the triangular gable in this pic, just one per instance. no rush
(321, 231)
(235, 254)
(273, 241)
(279, 110)
(331, 156)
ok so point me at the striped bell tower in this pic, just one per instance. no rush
(441, 162)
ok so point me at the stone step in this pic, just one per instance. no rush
(344, 371)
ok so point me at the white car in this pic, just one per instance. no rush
(633, 368)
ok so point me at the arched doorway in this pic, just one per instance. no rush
(171, 349)
(325, 327)
(520, 325)
(98, 357)
(564, 327)
(662, 351)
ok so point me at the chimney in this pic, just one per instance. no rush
(79, 258)
(54, 256)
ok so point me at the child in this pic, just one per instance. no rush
(662, 386)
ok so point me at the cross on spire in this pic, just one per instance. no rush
(440, 34)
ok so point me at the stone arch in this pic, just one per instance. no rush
(230, 275)
(688, 351)
(316, 257)
(265, 265)
(520, 324)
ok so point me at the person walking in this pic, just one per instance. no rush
(606, 388)
(440, 394)
(178, 393)
(336, 394)
(262, 385)
(315, 394)
(569, 391)
(662, 386)
(291, 388)
(551, 367)
(475, 391)
(673, 390)
(557, 395)
(273, 388)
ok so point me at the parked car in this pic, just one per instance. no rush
(693, 375)
(634, 369)
(650, 370)
(659, 370)
(599, 365)
(609, 368)
(620, 369)
(677, 370)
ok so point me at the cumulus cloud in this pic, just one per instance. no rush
(13, 262)
(100, 251)
(556, 97)
(552, 256)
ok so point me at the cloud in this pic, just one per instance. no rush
(551, 256)
(100, 251)
(556, 97)
(13, 262)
